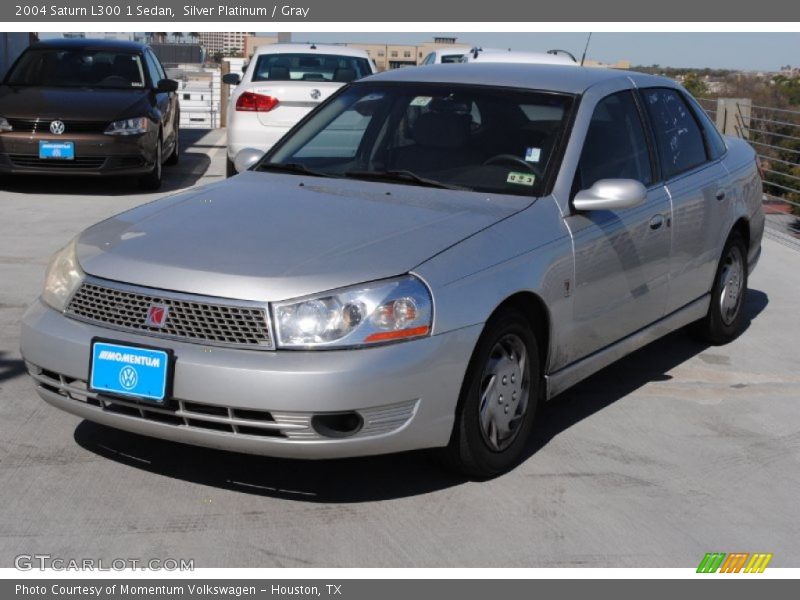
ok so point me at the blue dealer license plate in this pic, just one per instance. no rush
(57, 150)
(129, 371)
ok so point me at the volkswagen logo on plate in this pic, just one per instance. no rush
(315, 94)
(128, 377)
(57, 127)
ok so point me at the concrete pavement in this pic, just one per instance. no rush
(677, 450)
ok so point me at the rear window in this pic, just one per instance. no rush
(310, 67)
(79, 67)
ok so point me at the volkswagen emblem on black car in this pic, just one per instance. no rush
(57, 127)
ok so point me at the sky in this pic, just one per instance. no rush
(742, 51)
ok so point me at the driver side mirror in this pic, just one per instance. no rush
(611, 194)
(231, 78)
(167, 85)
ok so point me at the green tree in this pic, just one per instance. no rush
(695, 85)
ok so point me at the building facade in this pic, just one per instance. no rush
(224, 41)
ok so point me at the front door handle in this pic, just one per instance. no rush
(656, 222)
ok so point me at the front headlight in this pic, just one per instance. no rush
(370, 313)
(64, 275)
(128, 126)
(5, 125)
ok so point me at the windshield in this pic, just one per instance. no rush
(78, 68)
(476, 138)
(310, 67)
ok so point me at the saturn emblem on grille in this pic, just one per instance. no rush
(157, 315)
(57, 127)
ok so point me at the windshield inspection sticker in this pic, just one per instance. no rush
(421, 101)
(533, 154)
(520, 178)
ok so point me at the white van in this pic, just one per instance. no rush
(490, 55)
(444, 56)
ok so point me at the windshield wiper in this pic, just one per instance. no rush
(292, 168)
(402, 177)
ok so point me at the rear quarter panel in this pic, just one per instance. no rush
(746, 189)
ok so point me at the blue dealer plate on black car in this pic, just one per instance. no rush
(57, 150)
(129, 371)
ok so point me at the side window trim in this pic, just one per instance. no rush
(650, 137)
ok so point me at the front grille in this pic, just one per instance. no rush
(290, 426)
(79, 162)
(43, 126)
(198, 320)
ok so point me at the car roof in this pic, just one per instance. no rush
(91, 44)
(310, 48)
(555, 78)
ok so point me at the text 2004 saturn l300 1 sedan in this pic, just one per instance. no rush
(419, 263)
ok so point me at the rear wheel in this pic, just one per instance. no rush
(723, 322)
(498, 401)
(152, 180)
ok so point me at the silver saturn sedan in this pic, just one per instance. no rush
(420, 263)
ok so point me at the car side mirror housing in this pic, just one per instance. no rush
(231, 78)
(611, 194)
(167, 85)
(246, 158)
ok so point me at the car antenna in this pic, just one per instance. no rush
(588, 39)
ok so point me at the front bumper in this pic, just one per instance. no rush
(95, 154)
(262, 402)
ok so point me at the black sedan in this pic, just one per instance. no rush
(89, 107)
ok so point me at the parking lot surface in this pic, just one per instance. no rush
(677, 450)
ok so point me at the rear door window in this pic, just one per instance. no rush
(678, 136)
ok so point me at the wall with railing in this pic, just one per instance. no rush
(775, 134)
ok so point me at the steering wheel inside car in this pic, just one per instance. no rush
(499, 159)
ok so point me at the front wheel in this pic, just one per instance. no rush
(723, 322)
(152, 181)
(498, 401)
(175, 155)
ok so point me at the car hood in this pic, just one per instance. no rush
(267, 237)
(83, 104)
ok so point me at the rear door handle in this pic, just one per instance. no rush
(720, 195)
(656, 221)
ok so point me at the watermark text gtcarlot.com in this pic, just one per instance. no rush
(48, 562)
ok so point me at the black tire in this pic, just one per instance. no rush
(152, 180)
(230, 169)
(723, 322)
(471, 450)
(175, 155)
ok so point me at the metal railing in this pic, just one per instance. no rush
(775, 134)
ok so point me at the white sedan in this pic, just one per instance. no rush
(281, 84)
